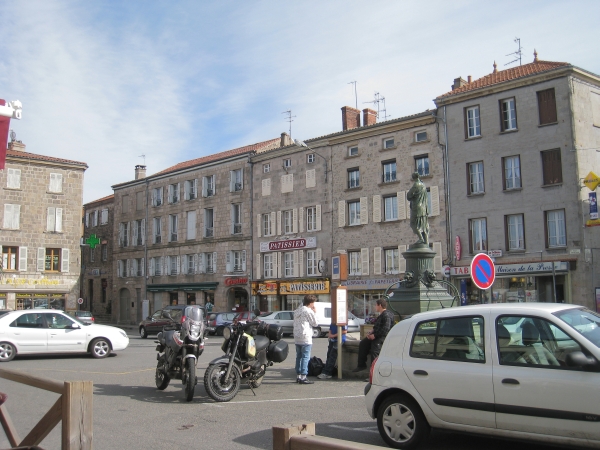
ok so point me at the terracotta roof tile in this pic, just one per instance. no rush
(108, 197)
(507, 75)
(258, 147)
(27, 155)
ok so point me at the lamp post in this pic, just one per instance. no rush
(300, 143)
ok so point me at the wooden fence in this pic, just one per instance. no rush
(302, 437)
(73, 407)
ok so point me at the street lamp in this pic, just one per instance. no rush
(300, 143)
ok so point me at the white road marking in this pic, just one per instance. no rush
(367, 429)
(294, 399)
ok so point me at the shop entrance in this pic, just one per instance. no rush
(237, 299)
(190, 298)
(124, 299)
(173, 298)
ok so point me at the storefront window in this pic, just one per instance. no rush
(362, 303)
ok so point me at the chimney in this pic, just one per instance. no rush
(458, 82)
(469, 79)
(17, 146)
(140, 172)
(369, 117)
(285, 140)
(350, 118)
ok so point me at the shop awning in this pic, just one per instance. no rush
(182, 287)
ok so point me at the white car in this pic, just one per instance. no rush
(464, 369)
(49, 331)
(285, 319)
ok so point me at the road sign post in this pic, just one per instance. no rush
(483, 271)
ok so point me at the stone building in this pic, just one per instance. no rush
(520, 142)
(183, 235)
(40, 230)
(97, 261)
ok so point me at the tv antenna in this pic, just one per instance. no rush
(355, 96)
(143, 156)
(13, 136)
(381, 110)
(517, 54)
(289, 119)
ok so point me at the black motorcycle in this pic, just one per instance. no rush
(180, 344)
(249, 349)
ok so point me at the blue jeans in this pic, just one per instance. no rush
(302, 357)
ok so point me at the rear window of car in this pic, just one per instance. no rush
(83, 314)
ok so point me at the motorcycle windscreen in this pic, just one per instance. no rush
(193, 313)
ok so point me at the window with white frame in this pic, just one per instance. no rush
(353, 178)
(56, 182)
(238, 260)
(138, 267)
(92, 254)
(156, 266)
(353, 151)
(157, 230)
(476, 185)
(354, 263)
(138, 232)
(478, 228)
(268, 265)
(266, 168)
(210, 262)
(392, 262)
(54, 220)
(124, 234)
(515, 232)
(287, 162)
(311, 263)
(104, 216)
(236, 218)
(509, 114)
(173, 264)
(390, 208)
(422, 165)
(267, 226)
(420, 136)
(104, 250)
(310, 158)
(311, 218)
(288, 222)
(236, 182)
(354, 213)
(190, 189)
(208, 222)
(12, 216)
(389, 171)
(172, 227)
(388, 143)
(556, 230)
(512, 172)
(208, 186)
(157, 196)
(473, 127)
(121, 265)
(190, 264)
(173, 193)
(94, 218)
(288, 264)
(13, 180)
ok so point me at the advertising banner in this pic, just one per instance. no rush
(593, 206)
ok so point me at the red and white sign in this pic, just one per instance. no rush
(234, 281)
(460, 271)
(288, 244)
(495, 253)
(80, 301)
(446, 271)
(457, 248)
(483, 271)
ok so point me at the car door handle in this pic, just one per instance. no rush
(420, 372)
(510, 381)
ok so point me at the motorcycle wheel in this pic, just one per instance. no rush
(190, 381)
(160, 377)
(217, 387)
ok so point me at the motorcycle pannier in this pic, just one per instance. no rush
(274, 332)
(278, 351)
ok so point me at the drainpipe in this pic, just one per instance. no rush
(251, 256)
(150, 310)
(447, 188)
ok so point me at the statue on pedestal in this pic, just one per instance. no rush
(419, 209)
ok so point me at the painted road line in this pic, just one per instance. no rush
(99, 373)
(294, 399)
(367, 429)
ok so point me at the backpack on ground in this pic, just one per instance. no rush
(315, 366)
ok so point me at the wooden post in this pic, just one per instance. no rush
(283, 433)
(77, 419)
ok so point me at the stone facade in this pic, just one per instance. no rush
(40, 230)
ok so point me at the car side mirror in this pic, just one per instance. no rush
(148, 318)
(75, 326)
(578, 359)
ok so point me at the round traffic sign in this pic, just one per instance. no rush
(483, 271)
(446, 271)
(80, 301)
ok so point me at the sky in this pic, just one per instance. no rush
(109, 81)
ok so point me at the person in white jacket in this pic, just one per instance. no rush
(304, 321)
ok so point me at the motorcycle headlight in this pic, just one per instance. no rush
(226, 332)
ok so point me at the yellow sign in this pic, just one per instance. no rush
(305, 287)
(591, 181)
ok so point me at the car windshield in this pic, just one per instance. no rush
(584, 321)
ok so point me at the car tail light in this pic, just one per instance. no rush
(213, 323)
(372, 369)
(93, 320)
(182, 319)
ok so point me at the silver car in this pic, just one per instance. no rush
(83, 316)
(285, 319)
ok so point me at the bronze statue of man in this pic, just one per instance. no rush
(419, 209)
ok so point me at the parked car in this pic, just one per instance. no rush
(244, 316)
(4, 311)
(323, 314)
(463, 369)
(218, 320)
(285, 319)
(167, 316)
(50, 331)
(84, 316)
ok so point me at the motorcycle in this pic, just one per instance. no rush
(180, 345)
(249, 349)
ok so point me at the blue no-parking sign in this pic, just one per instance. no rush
(483, 271)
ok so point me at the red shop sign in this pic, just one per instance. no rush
(457, 248)
(289, 244)
(233, 281)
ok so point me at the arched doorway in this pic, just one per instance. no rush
(124, 301)
(237, 298)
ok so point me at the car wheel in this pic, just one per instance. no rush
(316, 332)
(100, 348)
(143, 333)
(7, 351)
(401, 422)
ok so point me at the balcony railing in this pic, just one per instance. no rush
(237, 228)
(208, 232)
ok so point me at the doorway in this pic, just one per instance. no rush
(124, 299)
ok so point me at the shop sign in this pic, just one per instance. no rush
(377, 283)
(304, 287)
(460, 271)
(266, 288)
(457, 248)
(509, 269)
(18, 295)
(335, 267)
(495, 253)
(288, 244)
(235, 281)
(591, 181)
(593, 206)
(30, 281)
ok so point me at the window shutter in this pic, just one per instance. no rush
(170, 194)
(41, 259)
(257, 274)
(364, 211)
(318, 212)
(407, 207)
(22, 258)
(191, 225)
(300, 263)
(59, 181)
(14, 178)
(401, 260)
(364, 258)
(296, 263)
(437, 261)
(231, 181)
(186, 190)
(242, 178)
(51, 219)
(244, 260)
(278, 222)
(64, 264)
(151, 267)
(167, 265)
(143, 267)
(435, 201)
(259, 225)
(121, 233)
(277, 257)
(59, 220)
(377, 260)
(300, 220)
(8, 211)
(295, 220)
(201, 259)
(228, 263)
(319, 255)
(128, 267)
(134, 232)
(87, 219)
(177, 262)
(341, 213)
(376, 212)
(204, 186)
(143, 231)
(184, 264)
(16, 217)
(266, 187)
(214, 262)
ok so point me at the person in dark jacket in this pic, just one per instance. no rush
(374, 340)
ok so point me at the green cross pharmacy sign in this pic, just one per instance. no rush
(92, 241)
